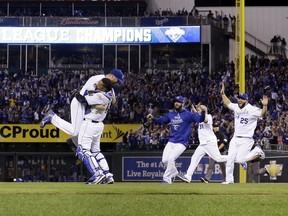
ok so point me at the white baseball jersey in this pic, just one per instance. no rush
(245, 119)
(205, 131)
(90, 132)
(97, 98)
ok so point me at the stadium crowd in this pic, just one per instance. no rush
(25, 98)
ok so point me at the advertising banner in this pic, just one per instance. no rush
(100, 35)
(163, 21)
(79, 21)
(31, 133)
(152, 168)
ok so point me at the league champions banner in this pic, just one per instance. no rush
(277, 167)
(163, 21)
(152, 169)
(31, 133)
(100, 35)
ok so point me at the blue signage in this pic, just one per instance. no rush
(99, 35)
(152, 169)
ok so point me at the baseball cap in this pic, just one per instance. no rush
(243, 96)
(216, 124)
(180, 99)
(118, 74)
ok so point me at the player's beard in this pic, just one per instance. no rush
(178, 108)
(242, 105)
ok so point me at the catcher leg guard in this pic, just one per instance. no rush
(89, 161)
(102, 163)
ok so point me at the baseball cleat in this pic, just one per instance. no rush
(204, 180)
(227, 182)
(97, 179)
(244, 165)
(47, 119)
(166, 182)
(183, 178)
(90, 179)
(260, 152)
(108, 180)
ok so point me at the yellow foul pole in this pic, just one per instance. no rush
(240, 59)
(242, 46)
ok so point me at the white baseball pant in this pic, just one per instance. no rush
(209, 148)
(171, 152)
(239, 152)
(77, 115)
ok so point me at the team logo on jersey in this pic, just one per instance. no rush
(176, 121)
(174, 33)
(119, 133)
(274, 169)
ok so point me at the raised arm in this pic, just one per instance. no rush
(193, 109)
(204, 109)
(225, 99)
(264, 102)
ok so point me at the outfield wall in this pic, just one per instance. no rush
(126, 166)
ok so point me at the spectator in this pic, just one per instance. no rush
(225, 23)
(233, 22)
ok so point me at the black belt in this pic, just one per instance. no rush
(91, 120)
(243, 137)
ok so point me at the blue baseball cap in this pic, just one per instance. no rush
(118, 74)
(243, 96)
(180, 99)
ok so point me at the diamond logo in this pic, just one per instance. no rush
(174, 33)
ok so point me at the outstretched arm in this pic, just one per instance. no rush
(161, 121)
(225, 99)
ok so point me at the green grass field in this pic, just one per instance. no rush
(135, 199)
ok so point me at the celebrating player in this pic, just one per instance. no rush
(76, 108)
(99, 107)
(208, 144)
(222, 143)
(245, 122)
(90, 133)
(180, 128)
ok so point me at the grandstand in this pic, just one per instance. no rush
(37, 72)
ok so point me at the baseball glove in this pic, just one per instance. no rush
(74, 92)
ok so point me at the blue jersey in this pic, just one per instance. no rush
(180, 124)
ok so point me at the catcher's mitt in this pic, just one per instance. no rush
(74, 92)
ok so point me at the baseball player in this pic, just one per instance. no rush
(222, 142)
(90, 133)
(245, 122)
(87, 101)
(208, 144)
(76, 108)
(180, 129)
